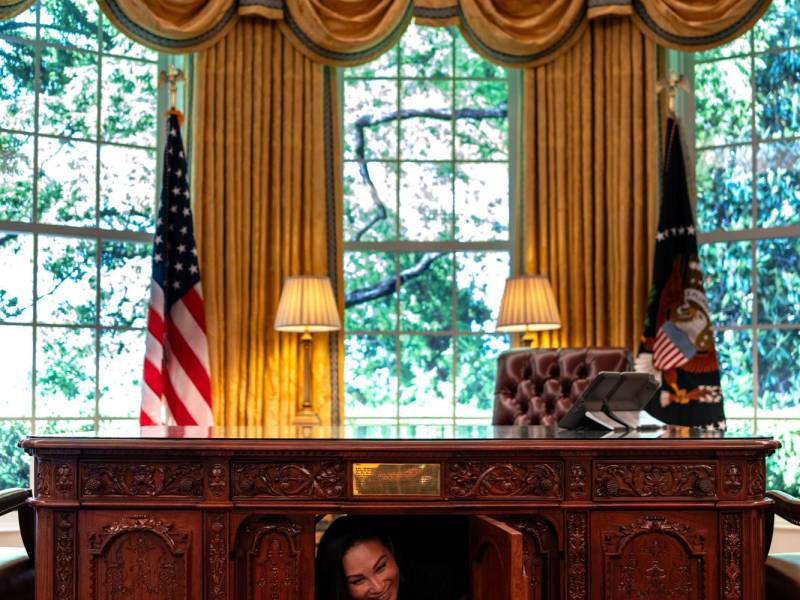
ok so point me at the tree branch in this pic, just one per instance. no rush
(386, 286)
(365, 121)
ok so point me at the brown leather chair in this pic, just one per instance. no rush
(782, 571)
(538, 386)
(16, 564)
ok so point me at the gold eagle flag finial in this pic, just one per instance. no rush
(171, 77)
(670, 84)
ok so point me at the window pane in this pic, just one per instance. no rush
(70, 22)
(67, 279)
(426, 383)
(68, 93)
(116, 42)
(426, 52)
(16, 358)
(778, 375)
(17, 86)
(16, 176)
(783, 467)
(428, 133)
(15, 466)
(65, 372)
(118, 427)
(482, 123)
(778, 276)
(127, 192)
(779, 27)
(383, 66)
(16, 284)
(778, 184)
(724, 188)
(120, 375)
(129, 101)
(735, 355)
(478, 278)
(426, 201)
(370, 193)
(67, 182)
(470, 64)
(777, 94)
(125, 271)
(723, 102)
(23, 25)
(475, 375)
(368, 101)
(727, 282)
(370, 296)
(426, 292)
(369, 375)
(61, 426)
(740, 45)
(482, 205)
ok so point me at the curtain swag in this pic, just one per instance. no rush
(514, 33)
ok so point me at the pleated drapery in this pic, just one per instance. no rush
(268, 196)
(267, 164)
(521, 33)
(591, 185)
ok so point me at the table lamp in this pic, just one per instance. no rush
(528, 305)
(307, 305)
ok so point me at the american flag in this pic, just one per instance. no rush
(177, 386)
(672, 348)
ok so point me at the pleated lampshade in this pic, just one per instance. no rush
(307, 304)
(528, 305)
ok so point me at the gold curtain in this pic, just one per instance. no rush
(267, 190)
(591, 185)
(512, 32)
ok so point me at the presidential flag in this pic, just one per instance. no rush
(678, 342)
(177, 387)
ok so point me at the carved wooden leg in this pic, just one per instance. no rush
(577, 536)
(217, 553)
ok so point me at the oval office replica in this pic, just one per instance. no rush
(399, 300)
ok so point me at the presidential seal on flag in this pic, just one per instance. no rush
(678, 342)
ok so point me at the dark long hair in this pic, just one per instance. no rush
(343, 534)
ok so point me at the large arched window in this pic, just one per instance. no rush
(427, 233)
(78, 131)
(747, 124)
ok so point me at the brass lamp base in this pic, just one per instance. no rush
(530, 338)
(306, 415)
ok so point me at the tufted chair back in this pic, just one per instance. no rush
(538, 386)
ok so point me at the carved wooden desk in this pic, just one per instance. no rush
(183, 514)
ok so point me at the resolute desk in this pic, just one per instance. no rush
(178, 513)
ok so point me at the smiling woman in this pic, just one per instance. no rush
(380, 558)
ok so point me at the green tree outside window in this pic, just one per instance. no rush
(78, 130)
(427, 236)
(747, 119)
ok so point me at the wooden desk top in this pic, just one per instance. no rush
(392, 437)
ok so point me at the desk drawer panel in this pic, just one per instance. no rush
(141, 479)
(502, 479)
(289, 479)
(654, 479)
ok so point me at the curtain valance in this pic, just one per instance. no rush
(517, 33)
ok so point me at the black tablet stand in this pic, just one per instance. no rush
(614, 401)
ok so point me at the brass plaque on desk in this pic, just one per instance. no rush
(396, 479)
